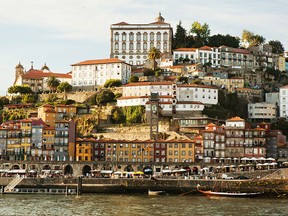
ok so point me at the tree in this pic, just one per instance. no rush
(29, 98)
(277, 46)
(223, 40)
(133, 79)
(105, 96)
(201, 32)
(53, 83)
(180, 37)
(112, 83)
(154, 54)
(3, 101)
(251, 39)
(183, 80)
(64, 87)
(23, 89)
(117, 115)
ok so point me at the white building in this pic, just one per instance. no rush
(132, 42)
(90, 74)
(272, 98)
(264, 111)
(283, 105)
(173, 98)
(201, 55)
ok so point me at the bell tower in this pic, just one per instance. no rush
(19, 71)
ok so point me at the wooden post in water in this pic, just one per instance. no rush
(79, 186)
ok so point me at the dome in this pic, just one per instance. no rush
(159, 18)
(45, 67)
(19, 66)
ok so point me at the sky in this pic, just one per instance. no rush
(63, 32)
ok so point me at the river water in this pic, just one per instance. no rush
(139, 204)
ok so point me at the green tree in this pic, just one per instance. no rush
(64, 87)
(154, 54)
(280, 124)
(53, 83)
(182, 79)
(117, 115)
(277, 46)
(223, 40)
(180, 36)
(251, 39)
(29, 98)
(3, 101)
(105, 96)
(112, 83)
(133, 79)
(21, 89)
(202, 33)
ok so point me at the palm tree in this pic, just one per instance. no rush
(53, 83)
(154, 54)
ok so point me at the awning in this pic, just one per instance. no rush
(117, 173)
(17, 171)
(106, 171)
(138, 173)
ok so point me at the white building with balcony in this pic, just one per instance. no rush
(132, 42)
(89, 74)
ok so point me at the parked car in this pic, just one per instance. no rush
(225, 176)
(241, 177)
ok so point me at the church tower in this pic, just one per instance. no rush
(19, 71)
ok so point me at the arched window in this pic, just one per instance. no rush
(123, 46)
(131, 36)
(165, 46)
(151, 45)
(138, 46)
(131, 46)
(165, 36)
(124, 36)
(116, 36)
(145, 36)
(144, 46)
(138, 36)
(116, 46)
(158, 45)
(151, 36)
(158, 36)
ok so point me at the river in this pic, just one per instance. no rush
(137, 204)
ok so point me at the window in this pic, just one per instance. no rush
(131, 36)
(138, 36)
(131, 46)
(117, 36)
(123, 46)
(158, 36)
(151, 36)
(165, 36)
(145, 36)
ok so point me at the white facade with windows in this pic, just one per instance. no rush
(262, 111)
(132, 42)
(283, 105)
(90, 74)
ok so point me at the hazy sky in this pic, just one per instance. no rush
(63, 32)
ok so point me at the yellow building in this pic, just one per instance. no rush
(84, 149)
(26, 129)
(13, 141)
(180, 151)
(48, 114)
(48, 143)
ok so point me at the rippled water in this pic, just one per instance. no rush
(102, 204)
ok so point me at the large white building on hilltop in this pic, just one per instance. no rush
(132, 42)
(90, 74)
(173, 98)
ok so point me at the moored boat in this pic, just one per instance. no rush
(155, 193)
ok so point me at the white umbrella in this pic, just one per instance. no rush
(270, 159)
(261, 158)
(244, 158)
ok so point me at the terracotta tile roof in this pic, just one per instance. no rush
(282, 87)
(189, 102)
(236, 118)
(38, 74)
(147, 84)
(99, 61)
(160, 23)
(185, 50)
(242, 51)
(205, 48)
(196, 86)
(121, 23)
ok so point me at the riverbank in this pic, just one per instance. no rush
(269, 187)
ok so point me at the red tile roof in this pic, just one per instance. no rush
(147, 84)
(185, 49)
(38, 74)
(99, 61)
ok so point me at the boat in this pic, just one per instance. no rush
(228, 194)
(155, 193)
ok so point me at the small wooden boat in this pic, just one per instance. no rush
(155, 193)
(228, 194)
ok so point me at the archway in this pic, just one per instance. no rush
(195, 170)
(148, 170)
(188, 169)
(46, 167)
(129, 168)
(86, 170)
(68, 170)
(16, 166)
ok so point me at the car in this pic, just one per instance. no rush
(241, 177)
(225, 176)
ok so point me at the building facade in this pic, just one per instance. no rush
(132, 42)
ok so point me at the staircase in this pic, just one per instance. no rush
(10, 187)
